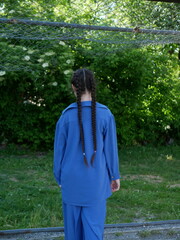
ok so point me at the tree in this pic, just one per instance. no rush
(138, 83)
(117, 13)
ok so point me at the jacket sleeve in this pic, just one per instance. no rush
(111, 149)
(59, 149)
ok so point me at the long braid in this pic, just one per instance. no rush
(83, 80)
(79, 92)
(93, 116)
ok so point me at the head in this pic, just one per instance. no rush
(83, 81)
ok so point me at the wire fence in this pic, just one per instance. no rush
(18, 36)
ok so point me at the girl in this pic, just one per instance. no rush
(85, 160)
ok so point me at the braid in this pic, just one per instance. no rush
(93, 115)
(83, 80)
(80, 120)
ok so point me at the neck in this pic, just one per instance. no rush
(86, 97)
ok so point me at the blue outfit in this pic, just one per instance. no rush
(85, 186)
(84, 223)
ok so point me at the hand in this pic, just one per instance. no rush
(115, 185)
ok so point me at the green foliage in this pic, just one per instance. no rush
(141, 88)
(119, 13)
(31, 102)
(162, 15)
(140, 85)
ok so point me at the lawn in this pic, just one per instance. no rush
(30, 197)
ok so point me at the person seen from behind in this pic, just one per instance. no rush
(86, 164)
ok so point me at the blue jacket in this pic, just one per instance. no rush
(85, 185)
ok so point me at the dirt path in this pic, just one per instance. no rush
(166, 230)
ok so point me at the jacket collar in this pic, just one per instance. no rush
(84, 104)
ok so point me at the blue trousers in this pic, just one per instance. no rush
(84, 223)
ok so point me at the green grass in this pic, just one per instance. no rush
(29, 195)
(118, 234)
(145, 234)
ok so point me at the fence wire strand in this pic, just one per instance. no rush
(19, 34)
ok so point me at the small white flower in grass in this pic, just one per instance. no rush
(68, 61)
(45, 64)
(24, 48)
(54, 84)
(2, 73)
(27, 58)
(67, 72)
(62, 43)
(40, 60)
(49, 53)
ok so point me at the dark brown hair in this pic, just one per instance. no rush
(83, 80)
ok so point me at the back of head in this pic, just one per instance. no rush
(83, 79)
